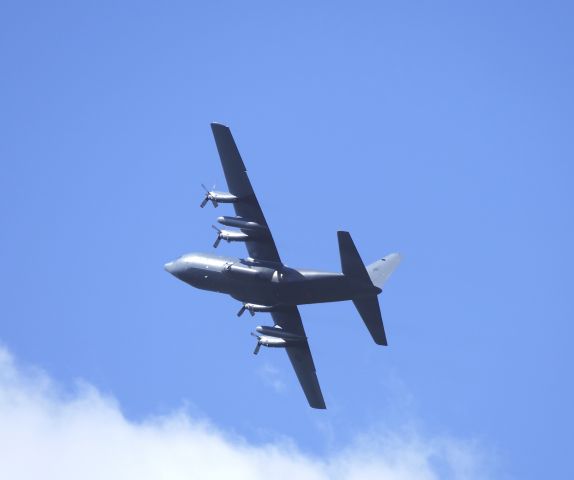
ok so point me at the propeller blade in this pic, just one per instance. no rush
(257, 348)
(241, 311)
(252, 312)
(218, 239)
(209, 197)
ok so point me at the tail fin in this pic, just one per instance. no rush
(368, 305)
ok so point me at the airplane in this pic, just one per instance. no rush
(263, 283)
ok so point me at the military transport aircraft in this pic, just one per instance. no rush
(264, 284)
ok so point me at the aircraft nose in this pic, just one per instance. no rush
(172, 267)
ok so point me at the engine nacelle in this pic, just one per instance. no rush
(253, 307)
(231, 236)
(276, 337)
(223, 197)
(273, 342)
(278, 332)
(217, 197)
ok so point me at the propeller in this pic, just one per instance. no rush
(218, 239)
(242, 310)
(258, 346)
(208, 197)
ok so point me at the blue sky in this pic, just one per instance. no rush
(442, 130)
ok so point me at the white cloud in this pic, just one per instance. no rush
(47, 435)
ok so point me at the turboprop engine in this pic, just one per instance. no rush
(217, 197)
(253, 307)
(229, 236)
(275, 337)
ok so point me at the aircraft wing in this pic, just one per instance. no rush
(300, 355)
(239, 185)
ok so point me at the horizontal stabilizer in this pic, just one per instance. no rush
(370, 312)
(351, 262)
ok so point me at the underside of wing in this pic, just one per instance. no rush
(300, 356)
(260, 245)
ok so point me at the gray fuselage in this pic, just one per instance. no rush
(265, 283)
